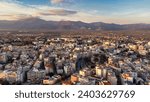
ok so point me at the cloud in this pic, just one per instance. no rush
(59, 12)
(61, 1)
(56, 1)
(15, 17)
(14, 10)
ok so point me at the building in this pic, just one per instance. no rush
(35, 76)
(85, 72)
(50, 65)
(83, 79)
(38, 64)
(126, 78)
(104, 73)
(133, 47)
(98, 72)
(104, 82)
(11, 77)
(2, 75)
(67, 82)
(74, 78)
(111, 77)
(1, 67)
(49, 68)
(110, 61)
(148, 80)
(3, 58)
(50, 81)
(21, 75)
(67, 70)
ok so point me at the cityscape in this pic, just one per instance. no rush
(74, 60)
(74, 42)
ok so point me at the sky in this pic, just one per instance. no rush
(108, 11)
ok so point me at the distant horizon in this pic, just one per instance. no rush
(74, 21)
(88, 11)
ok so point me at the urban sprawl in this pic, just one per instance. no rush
(106, 60)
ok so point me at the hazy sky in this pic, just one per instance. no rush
(109, 11)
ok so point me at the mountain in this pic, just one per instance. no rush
(37, 24)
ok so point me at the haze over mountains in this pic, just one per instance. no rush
(37, 24)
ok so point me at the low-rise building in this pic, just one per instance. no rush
(35, 76)
(126, 78)
(3, 58)
(74, 78)
(85, 72)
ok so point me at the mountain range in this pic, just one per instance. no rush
(37, 24)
